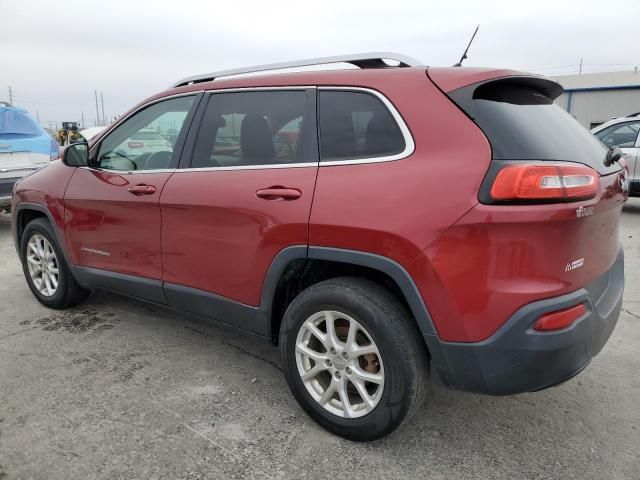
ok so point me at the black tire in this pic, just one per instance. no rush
(394, 332)
(68, 292)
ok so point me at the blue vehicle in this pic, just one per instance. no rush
(24, 146)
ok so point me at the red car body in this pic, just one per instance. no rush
(469, 271)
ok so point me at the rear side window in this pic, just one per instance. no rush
(356, 125)
(522, 122)
(622, 135)
(251, 129)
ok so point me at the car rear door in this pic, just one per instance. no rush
(243, 195)
(112, 212)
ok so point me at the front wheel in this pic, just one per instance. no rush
(353, 357)
(45, 268)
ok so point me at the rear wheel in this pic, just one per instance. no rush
(353, 357)
(45, 268)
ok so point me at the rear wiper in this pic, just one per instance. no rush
(614, 154)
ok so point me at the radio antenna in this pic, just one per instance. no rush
(464, 55)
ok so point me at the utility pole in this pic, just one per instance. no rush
(104, 120)
(10, 95)
(580, 68)
(95, 93)
(82, 116)
(38, 115)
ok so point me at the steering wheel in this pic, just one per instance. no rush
(162, 158)
(122, 155)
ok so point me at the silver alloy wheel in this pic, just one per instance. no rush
(43, 265)
(339, 364)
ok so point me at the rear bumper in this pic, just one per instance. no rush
(518, 359)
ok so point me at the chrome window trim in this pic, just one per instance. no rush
(409, 144)
(128, 172)
(404, 129)
(406, 133)
(249, 167)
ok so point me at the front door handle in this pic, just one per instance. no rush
(279, 193)
(142, 189)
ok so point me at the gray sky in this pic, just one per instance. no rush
(54, 54)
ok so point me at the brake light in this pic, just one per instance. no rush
(560, 319)
(133, 144)
(560, 182)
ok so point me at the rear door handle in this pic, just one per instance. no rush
(279, 193)
(142, 189)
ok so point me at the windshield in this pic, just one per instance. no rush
(17, 122)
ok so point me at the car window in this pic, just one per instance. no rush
(356, 125)
(146, 140)
(250, 128)
(621, 135)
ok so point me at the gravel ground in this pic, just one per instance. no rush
(119, 389)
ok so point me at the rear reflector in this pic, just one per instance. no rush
(560, 319)
(530, 182)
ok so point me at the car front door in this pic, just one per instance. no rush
(244, 195)
(112, 214)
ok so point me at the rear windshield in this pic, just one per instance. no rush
(522, 123)
(17, 122)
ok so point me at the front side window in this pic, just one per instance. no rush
(250, 129)
(622, 135)
(356, 125)
(146, 140)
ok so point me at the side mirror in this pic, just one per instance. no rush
(614, 154)
(76, 155)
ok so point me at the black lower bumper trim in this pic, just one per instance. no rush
(519, 359)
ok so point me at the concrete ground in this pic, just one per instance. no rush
(118, 389)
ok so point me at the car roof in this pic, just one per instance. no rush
(615, 121)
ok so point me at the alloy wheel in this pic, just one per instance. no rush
(339, 364)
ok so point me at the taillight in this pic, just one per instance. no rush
(133, 144)
(545, 182)
(560, 319)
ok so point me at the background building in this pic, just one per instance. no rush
(594, 98)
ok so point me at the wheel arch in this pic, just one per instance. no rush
(296, 268)
(25, 213)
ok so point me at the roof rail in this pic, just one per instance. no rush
(362, 60)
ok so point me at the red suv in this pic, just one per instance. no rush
(375, 222)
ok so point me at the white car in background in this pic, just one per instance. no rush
(145, 141)
(89, 133)
(623, 133)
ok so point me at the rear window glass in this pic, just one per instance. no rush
(356, 125)
(522, 123)
(17, 122)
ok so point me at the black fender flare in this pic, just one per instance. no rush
(354, 257)
(60, 239)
